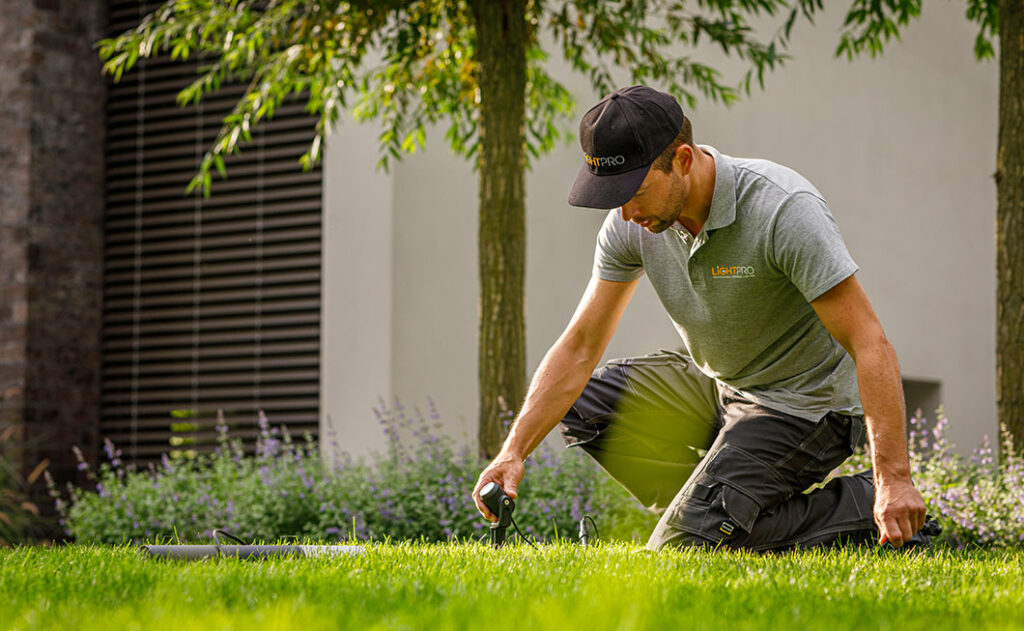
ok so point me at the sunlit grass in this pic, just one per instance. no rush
(461, 586)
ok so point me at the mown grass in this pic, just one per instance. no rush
(462, 586)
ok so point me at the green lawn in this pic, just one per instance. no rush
(462, 586)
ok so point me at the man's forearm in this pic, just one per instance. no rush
(567, 367)
(558, 382)
(881, 391)
(899, 509)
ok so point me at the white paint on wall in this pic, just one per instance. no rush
(903, 147)
(357, 308)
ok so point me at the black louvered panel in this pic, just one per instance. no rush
(210, 305)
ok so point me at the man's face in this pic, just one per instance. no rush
(658, 202)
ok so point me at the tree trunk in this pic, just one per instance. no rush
(501, 30)
(1010, 222)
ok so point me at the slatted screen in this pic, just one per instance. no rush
(210, 304)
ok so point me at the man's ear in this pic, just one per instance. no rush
(682, 160)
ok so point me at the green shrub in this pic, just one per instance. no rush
(418, 489)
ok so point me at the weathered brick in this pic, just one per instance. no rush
(12, 332)
(12, 352)
(52, 96)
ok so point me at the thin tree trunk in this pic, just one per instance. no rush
(501, 30)
(1010, 222)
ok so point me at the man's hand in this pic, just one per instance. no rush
(507, 470)
(899, 511)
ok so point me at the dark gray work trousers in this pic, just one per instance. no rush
(721, 470)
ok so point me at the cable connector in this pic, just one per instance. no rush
(584, 532)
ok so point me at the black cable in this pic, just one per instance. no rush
(521, 535)
(218, 533)
(596, 533)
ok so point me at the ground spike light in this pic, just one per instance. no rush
(501, 505)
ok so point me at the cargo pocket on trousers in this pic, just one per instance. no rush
(742, 510)
(748, 486)
(716, 512)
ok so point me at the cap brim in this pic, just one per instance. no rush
(605, 191)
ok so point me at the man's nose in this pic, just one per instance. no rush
(629, 210)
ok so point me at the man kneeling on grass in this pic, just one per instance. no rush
(749, 264)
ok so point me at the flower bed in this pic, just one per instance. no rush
(419, 489)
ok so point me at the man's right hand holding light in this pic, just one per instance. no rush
(507, 471)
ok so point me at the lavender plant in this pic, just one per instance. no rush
(418, 489)
(978, 499)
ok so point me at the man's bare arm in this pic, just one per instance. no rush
(558, 382)
(847, 313)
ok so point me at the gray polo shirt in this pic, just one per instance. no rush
(739, 292)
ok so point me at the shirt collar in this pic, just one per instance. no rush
(723, 200)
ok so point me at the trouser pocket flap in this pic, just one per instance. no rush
(741, 509)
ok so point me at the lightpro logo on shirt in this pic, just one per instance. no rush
(732, 271)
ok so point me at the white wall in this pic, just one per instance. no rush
(357, 305)
(903, 147)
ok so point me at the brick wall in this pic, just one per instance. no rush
(51, 214)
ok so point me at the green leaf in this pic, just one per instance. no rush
(218, 160)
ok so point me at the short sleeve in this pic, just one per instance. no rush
(807, 246)
(616, 257)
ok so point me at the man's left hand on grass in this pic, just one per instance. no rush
(899, 511)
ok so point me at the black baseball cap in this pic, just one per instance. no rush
(621, 137)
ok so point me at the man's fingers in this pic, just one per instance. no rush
(919, 518)
(906, 528)
(899, 512)
(897, 529)
(892, 533)
(483, 509)
(480, 506)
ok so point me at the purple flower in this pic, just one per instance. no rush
(113, 455)
(307, 480)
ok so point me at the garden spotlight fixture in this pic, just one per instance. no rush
(501, 505)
